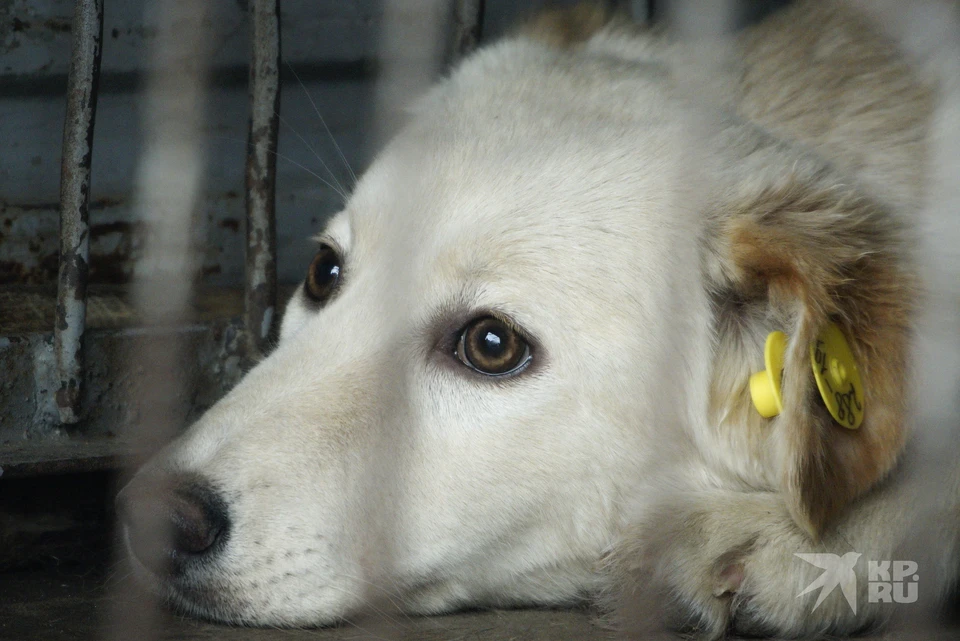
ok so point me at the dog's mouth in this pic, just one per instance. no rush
(185, 593)
(245, 590)
(174, 532)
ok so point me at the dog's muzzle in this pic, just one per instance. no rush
(171, 524)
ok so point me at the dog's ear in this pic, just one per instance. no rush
(793, 246)
(571, 26)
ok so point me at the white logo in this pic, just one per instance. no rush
(837, 570)
(888, 581)
(894, 582)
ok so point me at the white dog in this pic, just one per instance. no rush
(518, 369)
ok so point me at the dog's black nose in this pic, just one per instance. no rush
(170, 523)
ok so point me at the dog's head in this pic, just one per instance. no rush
(544, 299)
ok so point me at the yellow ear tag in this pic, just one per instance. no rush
(765, 385)
(838, 377)
(834, 369)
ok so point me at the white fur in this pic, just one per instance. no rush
(360, 461)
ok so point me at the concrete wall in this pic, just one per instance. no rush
(330, 57)
(330, 45)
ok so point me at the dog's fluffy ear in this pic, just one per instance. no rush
(569, 27)
(792, 247)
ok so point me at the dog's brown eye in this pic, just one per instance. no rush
(323, 277)
(490, 346)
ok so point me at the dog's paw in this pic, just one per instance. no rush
(711, 563)
(677, 570)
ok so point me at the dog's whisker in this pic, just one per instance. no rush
(341, 189)
(353, 624)
(369, 605)
(343, 195)
(387, 591)
(336, 145)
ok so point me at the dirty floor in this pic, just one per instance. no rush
(58, 583)
(68, 605)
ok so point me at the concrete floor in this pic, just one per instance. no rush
(58, 583)
(70, 606)
(54, 604)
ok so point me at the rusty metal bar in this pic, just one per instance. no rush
(467, 26)
(260, 300)
(74, 201)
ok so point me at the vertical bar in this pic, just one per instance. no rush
(413, 47)
(168, 197)
(74, 201)
(644, 11)
(467, 26)
(260, 296)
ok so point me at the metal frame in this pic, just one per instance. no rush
(62, 378)
(260, 286)
(74, 205)
(467, 26)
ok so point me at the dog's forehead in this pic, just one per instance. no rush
(521, 154)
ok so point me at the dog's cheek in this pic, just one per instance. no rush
(295, 316)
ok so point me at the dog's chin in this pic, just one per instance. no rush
(187, 596)
(212, 599)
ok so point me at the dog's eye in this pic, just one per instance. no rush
(491, 347)
(323, 277)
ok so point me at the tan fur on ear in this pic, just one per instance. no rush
(796, 257)
(568, 27)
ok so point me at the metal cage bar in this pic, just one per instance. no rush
(74, 203)
(467, 26)
(260, 287)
